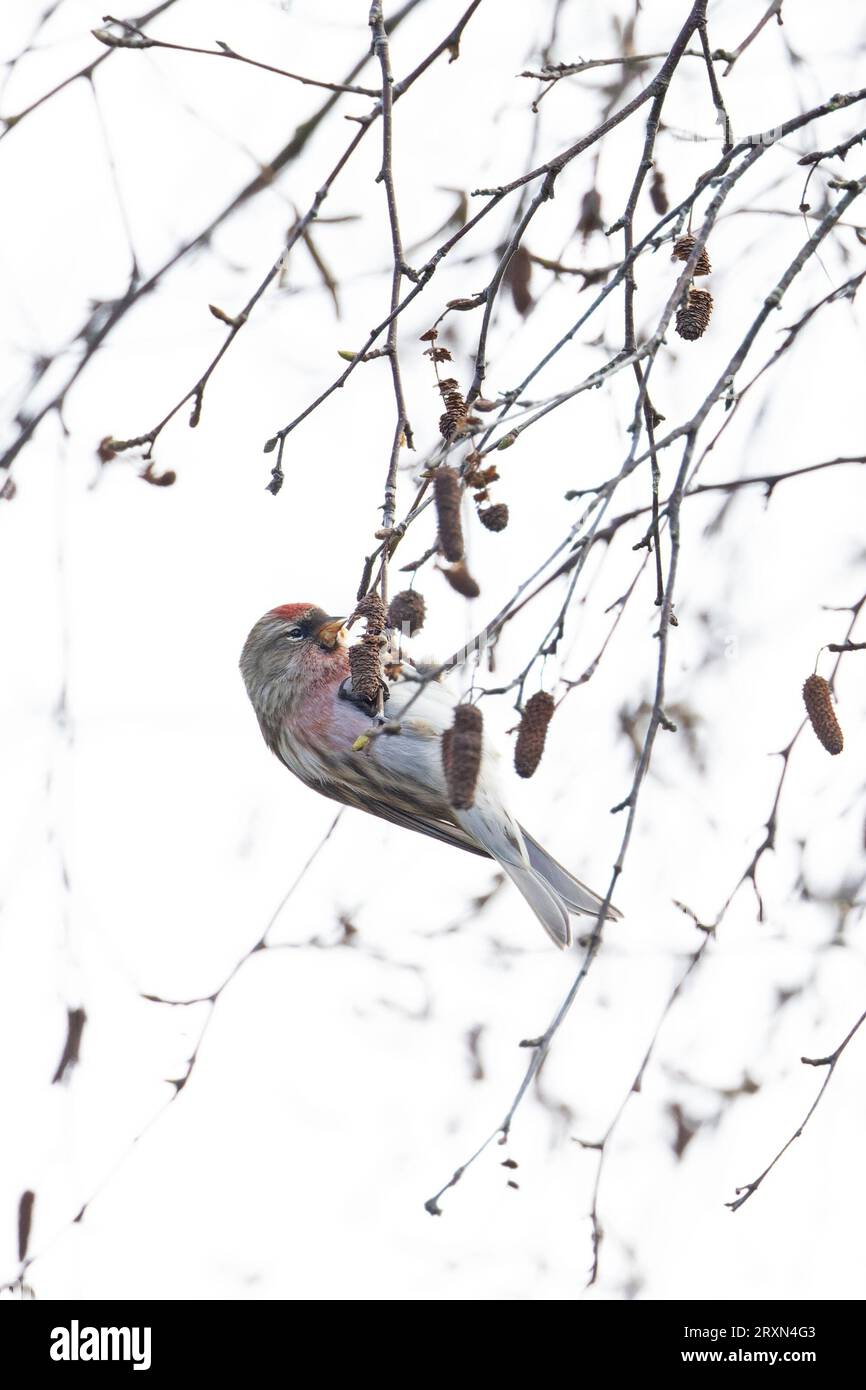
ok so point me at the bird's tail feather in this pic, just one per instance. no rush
(544, 901)
(573, 893)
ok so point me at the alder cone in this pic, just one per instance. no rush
(447, 492)
(495, 518)
(454, 417)
(683, 248)
(822, 716)
(532, 733)
(693, 315)
(407, 609)
(461, 756)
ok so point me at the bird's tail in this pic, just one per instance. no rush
(550, 890)
(543, 899)
(576, 896)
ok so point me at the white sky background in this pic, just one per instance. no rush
(334, 1090)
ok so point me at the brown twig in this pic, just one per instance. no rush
(402, 428)
(222, 50)
(830, 1062)
(773, 9)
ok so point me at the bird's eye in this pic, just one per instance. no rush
(295, 634)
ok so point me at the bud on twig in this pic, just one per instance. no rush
(532, 732)
(233, 320)
(166, 479)
(461, 756)
(819, 707)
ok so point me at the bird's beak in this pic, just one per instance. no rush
(328, 634)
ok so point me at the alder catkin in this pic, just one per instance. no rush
(407, 609)
(693, 314)
(822, 716)
(373, 609)
(365, 664)
(495, 518)
(518, 274)
(683, 248)
(658, 192)
(590, 219)
(460, 579)
(461, 756)
(532, 732)
(447, 493)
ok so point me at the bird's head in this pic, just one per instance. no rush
(292, 652)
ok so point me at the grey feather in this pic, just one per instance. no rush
(490, 826)
(550, 911)
(574, 893)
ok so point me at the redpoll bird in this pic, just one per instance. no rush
(295, 667)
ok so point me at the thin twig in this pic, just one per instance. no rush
(830, 1062)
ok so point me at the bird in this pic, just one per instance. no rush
(295, 666)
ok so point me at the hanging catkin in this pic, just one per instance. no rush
(447, 492)
(822, 716)
(365, 664)
(365, 657)
(461, 756)
(658, 192)
(373, 609)
(518, 274)
(532, 732)
(460, 579)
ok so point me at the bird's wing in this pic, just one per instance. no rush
(367, 796)
(407, 770)
(396, 777)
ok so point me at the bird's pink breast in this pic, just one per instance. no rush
(322, 718)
